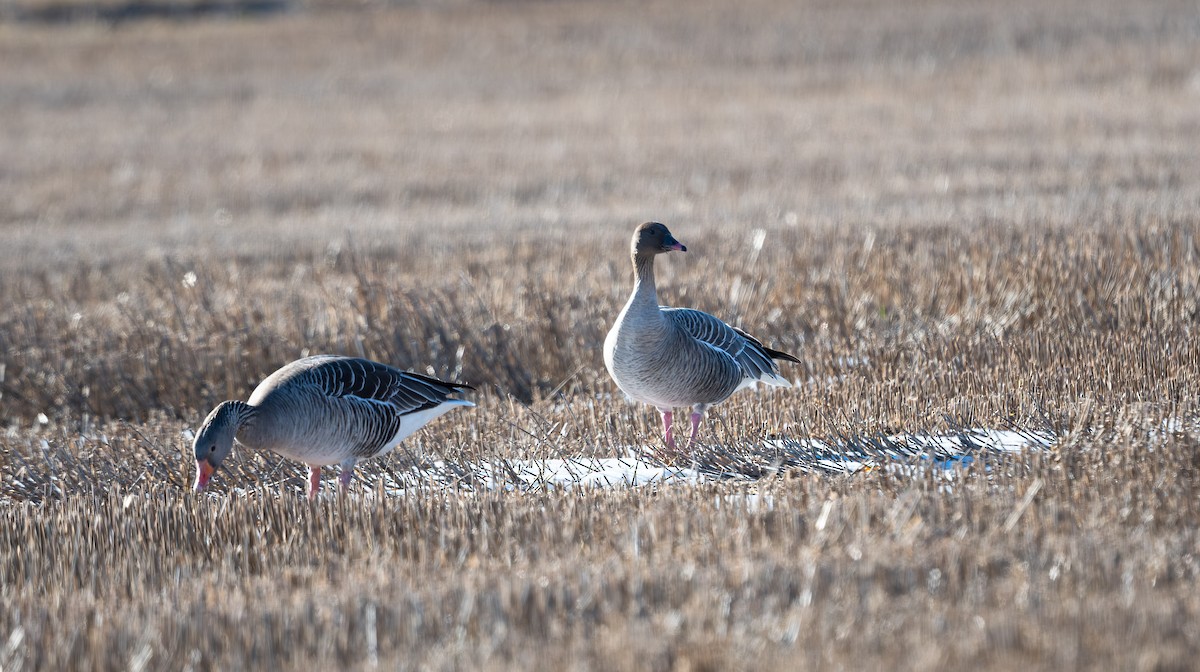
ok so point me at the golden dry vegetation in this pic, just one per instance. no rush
(957, 214)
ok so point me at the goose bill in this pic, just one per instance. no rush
(204, 471)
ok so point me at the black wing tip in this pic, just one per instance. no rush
(435, 381)
(779, 354)
(771, 352)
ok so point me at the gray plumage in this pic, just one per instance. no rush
(326, 410)
(679, 357)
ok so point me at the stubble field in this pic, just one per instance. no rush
(957, 215)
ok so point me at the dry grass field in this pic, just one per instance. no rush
(957, 214)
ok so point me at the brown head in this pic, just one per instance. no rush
(653, 238)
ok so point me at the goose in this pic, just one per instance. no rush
(325, 410)
(679, 357)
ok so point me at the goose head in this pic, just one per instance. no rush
(214, 441)
(653, 238)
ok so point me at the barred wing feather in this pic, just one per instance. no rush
(755, 359)
(407, 392)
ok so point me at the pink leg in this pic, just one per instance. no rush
(697, 416)
(314, 481)
(670, 440)
(345, 476)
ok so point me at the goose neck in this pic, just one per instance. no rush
(643, 280)
(241, 414)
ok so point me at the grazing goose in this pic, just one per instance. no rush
(677, 357)
(325, 410)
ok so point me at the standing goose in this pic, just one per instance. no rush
(677, 357)
(325, 410)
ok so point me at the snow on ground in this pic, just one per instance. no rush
(908, 454)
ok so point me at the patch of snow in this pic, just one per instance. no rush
(910, 455)
(590, 472)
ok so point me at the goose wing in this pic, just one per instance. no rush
(755, 359)
(380, 404)
(406, 392)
